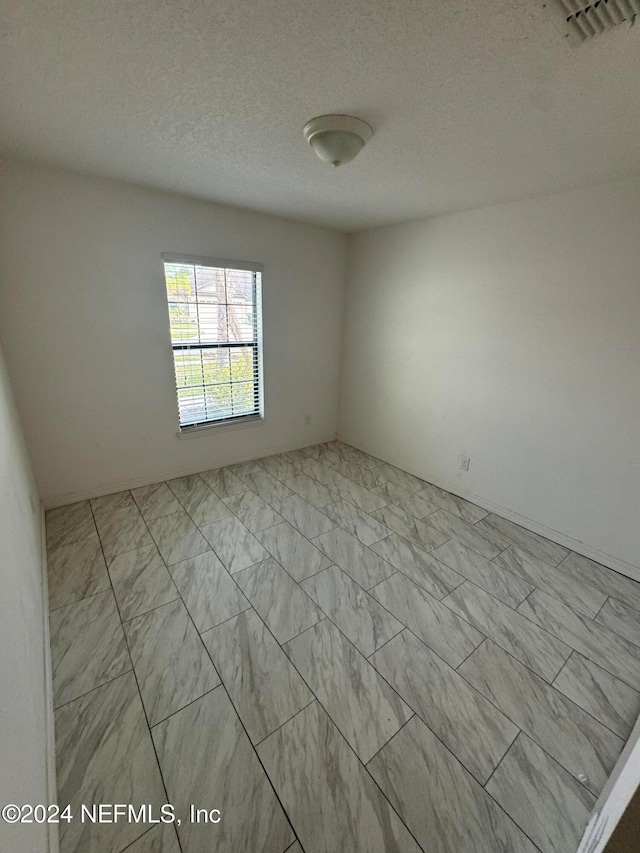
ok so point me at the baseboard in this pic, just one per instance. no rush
(168, 474)
(583, 548)
(50, 733)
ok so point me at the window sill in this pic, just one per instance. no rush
(223, 426)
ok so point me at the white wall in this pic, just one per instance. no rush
(84, 318)
(512, 334)
(26, 729)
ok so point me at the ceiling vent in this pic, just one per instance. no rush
(580, 21)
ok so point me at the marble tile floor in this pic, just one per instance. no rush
(337, 656)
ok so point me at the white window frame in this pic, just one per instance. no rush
(254, 418)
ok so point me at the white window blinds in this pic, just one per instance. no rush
(216, 335)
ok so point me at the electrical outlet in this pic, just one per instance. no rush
(464, 463)
(307, 420)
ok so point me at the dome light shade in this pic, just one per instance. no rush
(337, 139)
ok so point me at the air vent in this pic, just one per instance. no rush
(581, 21)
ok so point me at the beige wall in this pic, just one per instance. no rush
(84, 318)
(26, 731)
(511, 334)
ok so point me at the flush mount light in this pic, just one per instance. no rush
(337, 139)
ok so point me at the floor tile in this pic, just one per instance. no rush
(311, 451)
(241, 469)
(550, 805)
(348, 514)
(207, 759)
(281, 603)
(408, 502)
(333, 803)
(202, 505)
(442, 804)
(350, 453)
(327, 453)
(581, 597)
(452, 503)
(268, 487)
(106, 503)
(304, 517)
(223, 482)
(359, 616)
(122, 530)
(612, 652)
(234, 544)
(360, 703)
(606, 580)
(141, 581)
(104, 754)
(255, 513)
(359, 562)
(277, 467)
(311, 490)
(438, 580)
(539, 650)
(366, 477)
(445, 633)
(87, 646)
(419, 532)
(188, 487)
(155, 501)
(67, 524)
(574, 738)
(476, 732)
(293, 551)
(506, 586)
(170, 661)
(160, 839)
(364, 527)
(365, 499)
(293, 456)
(485, 543)
(324, 474)
(622, 619)
(76, 571)
(601, 694)
(177, 537)
(209, 592)
(400, 478)
(538, 546)
(264, 687)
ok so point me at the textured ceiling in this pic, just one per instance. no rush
(472, 101)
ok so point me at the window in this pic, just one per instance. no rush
(216, 335)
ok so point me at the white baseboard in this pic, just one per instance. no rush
(583, 548)
(50, 733)
(169, 473)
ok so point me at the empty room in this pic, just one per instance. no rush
(319, 426)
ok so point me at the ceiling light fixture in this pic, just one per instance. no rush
(337, 139)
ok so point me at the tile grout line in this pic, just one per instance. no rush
(93, 689)
(135, 676)
(313, 693)
(221, 684)
(594, 618)
(253, 747)
(84, 598)
(357, 652)
(529, 735)
(378, 751)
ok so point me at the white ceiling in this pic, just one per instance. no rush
(472, 101)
